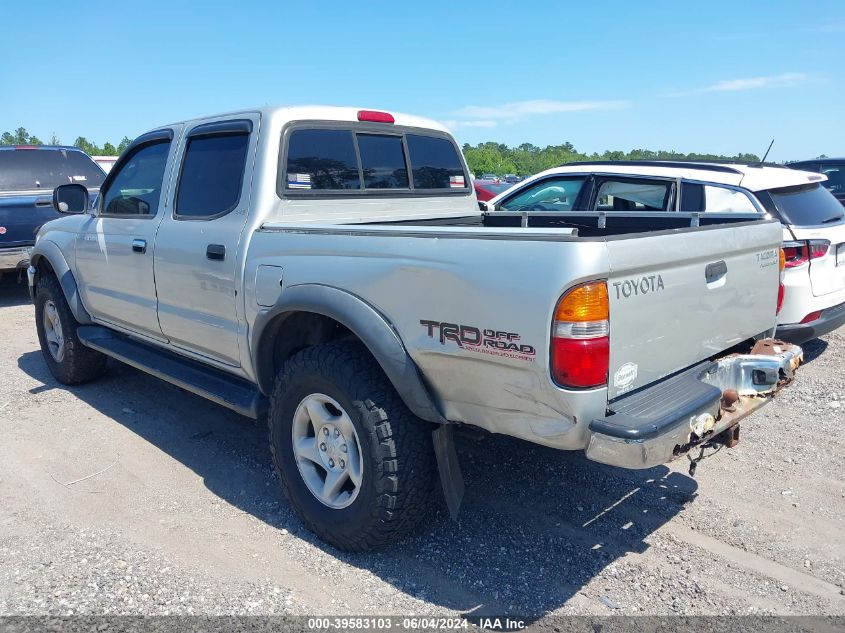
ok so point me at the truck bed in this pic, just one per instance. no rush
(678, 295)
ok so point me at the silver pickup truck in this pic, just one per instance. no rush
(329, 268)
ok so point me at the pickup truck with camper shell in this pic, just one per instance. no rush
(329, 269)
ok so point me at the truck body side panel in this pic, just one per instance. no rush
(471, 311)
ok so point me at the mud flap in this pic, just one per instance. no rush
(450, 471)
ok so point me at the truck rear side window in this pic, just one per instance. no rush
(321, 159)
(435, 163)
(212, 175)
(383, 161)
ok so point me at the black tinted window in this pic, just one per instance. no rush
(435, 163)
(321, 159)
(22, 169)
(692, 197)
(212, 175)
(805, 205)
(835, 173)
(805, 166)
(383, 161)
(136, 188)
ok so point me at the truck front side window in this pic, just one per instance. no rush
(136, 189)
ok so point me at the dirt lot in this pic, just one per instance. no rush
(186, 515)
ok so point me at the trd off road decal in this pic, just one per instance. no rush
(481, 341)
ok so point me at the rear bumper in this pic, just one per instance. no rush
(14, 258)
(655, 425)
(830, 319)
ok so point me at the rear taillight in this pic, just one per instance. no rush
(818, 248)
(781, 295)
(782, 264)
(580, 350)
(795, 253)
(798, 253)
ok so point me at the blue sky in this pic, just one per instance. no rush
(706, 76)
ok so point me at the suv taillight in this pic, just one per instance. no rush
(798, 253)
(580, 351)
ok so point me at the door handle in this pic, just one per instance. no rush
(139, 246)
(216, 251)
(715, 270)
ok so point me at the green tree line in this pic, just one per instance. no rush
(21, 137)
(490, 157)
(527, 159)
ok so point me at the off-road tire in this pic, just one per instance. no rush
(79, 363)
(398, 457)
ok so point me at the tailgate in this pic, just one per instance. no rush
(681, 297)
(827, 273)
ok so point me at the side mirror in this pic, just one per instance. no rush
(70, 198)
(483, 206)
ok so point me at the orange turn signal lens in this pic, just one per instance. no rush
(587, 302)
(782, 262)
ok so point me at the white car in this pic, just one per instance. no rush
(812, 300)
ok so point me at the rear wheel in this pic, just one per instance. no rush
(353, 461)
(68, 360)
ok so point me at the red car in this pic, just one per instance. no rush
(488, 189)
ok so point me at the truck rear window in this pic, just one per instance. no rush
(24, 169)
(803, 205)
(435, 163)
(383, 161)
(340, 160)
(322, 159)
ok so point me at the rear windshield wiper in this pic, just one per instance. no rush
(833, 219)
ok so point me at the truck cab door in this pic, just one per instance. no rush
(114, 247)
(197, 254)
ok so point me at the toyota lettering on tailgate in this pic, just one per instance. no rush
(638, 286)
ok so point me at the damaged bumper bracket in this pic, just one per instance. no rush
(657, 424)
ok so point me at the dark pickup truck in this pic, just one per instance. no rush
(28, 175)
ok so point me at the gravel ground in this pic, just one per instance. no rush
(185, 515)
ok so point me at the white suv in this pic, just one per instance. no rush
(813, 291)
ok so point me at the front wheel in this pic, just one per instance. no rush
(356, 465)
(69, 361)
